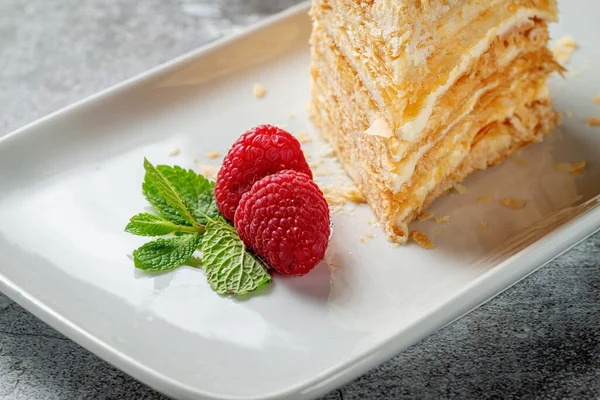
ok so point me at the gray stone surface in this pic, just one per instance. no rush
(538, 340)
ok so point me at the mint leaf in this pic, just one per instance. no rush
(161, 193)
(145, 224)
(230, 268)
(166, 254)
(196, 194)
(149, 225)
(196, 191)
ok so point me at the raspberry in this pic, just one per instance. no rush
(285, 219)
(261, 151)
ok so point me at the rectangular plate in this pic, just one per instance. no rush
(70, 182)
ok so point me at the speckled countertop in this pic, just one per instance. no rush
(540, 339)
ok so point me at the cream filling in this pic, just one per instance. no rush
(458, 154)
(411, 130)
(405, 173)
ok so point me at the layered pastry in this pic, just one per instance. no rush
(414, 95)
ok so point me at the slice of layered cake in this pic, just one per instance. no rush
(414, 95)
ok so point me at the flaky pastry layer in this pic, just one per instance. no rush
(410, 53)
(503, 117)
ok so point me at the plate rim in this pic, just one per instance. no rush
(529, 260)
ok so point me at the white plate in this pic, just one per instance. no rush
(70, 182)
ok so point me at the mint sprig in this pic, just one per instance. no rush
(186, 205)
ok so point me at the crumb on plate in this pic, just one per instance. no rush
(259, 91)
(575, 168)
(513, 203)
(594, 121)
(483, 225)
(421, 239)
(484, 199)
(175, 152)
(460, 188)
(443, 220)
(208, 171)
(213, 155)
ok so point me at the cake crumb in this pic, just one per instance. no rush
(578, 167)
(569, 114)
(483, 225)
(443, 220)
(336, 195)
(363, 239)
(594, 121)
(291, 116)
(394, 245)
(421, 239)
(175, 152)
(213, 155)
(425, 216)
(460, 188)
(597, 99)
(563, 49)
(259, 91)
(370, 234)
(373, 223)
(513, 203)
(575, 168)
(484, 199)
(208, 171)
(303, 137)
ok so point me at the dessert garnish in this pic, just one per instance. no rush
(280, 216)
